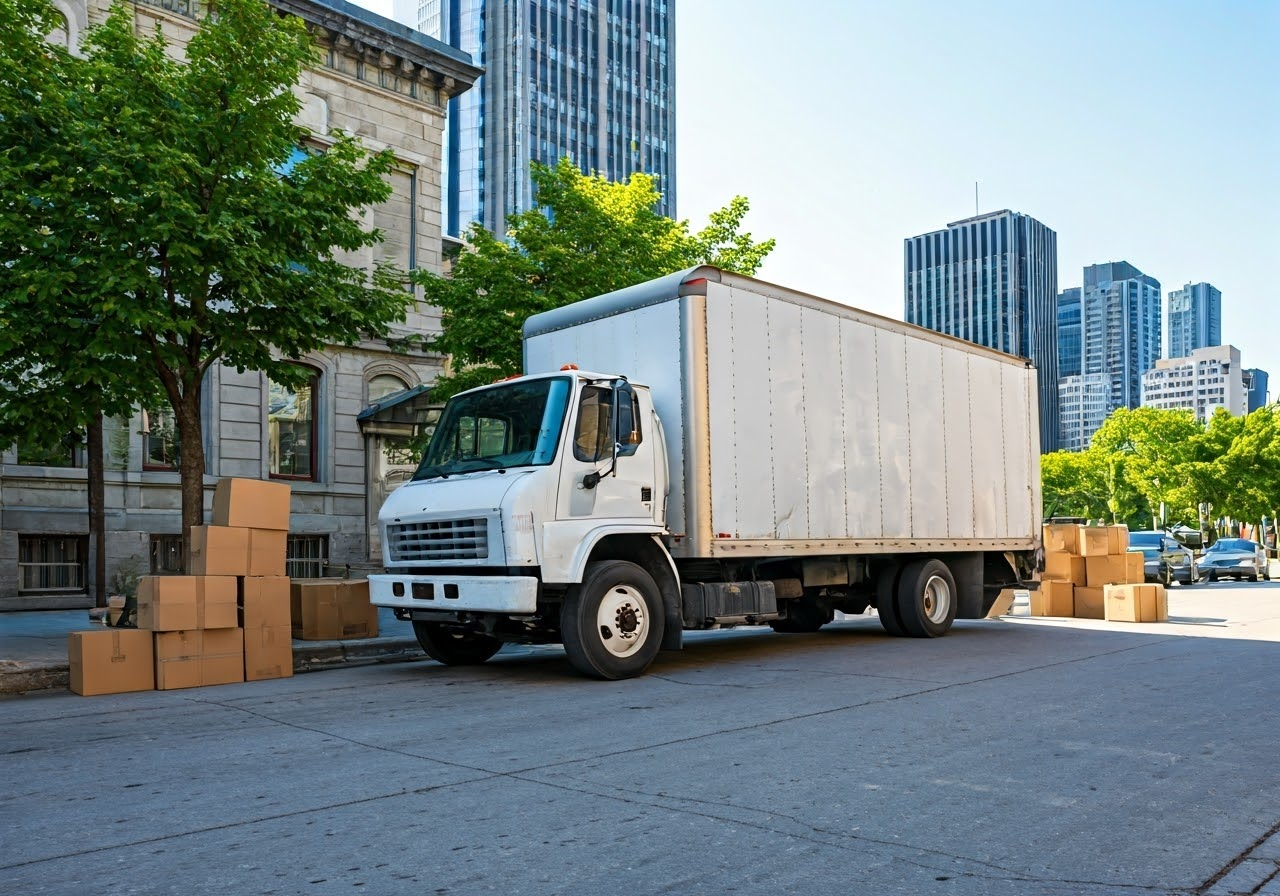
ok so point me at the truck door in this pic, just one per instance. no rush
(588, 488)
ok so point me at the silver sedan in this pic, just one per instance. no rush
(1239, 558)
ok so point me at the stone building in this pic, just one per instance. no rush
(337, 441)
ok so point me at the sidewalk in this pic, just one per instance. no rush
(33, 648)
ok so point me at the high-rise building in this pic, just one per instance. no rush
(1195, 319)
(1207, 379)
(1120, 313)
(1070, 358)
(993, 280)
(1255, 383)
(592, 80)
(1082, 400)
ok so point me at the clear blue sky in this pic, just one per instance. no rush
(1145, 131)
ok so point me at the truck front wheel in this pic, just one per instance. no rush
(612, 623)
(454, 646)
(926, 599)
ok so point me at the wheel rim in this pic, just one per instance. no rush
(937, 600)
(622, 620)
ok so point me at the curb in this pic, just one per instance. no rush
(308, 656)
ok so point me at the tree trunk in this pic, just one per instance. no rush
(190, 463)
(97, 510)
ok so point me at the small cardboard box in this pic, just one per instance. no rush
(251, 504)
(1095, 541)
(1108, 570)
(1088, 603)
(268, 652)
(1062, 537)
(1117, 539)
(1135, 567)
(115, 608)
(199, 657)
(178, 603)
(1064, 567)
(1135, 603)
(1053, 599)
(264, 601)
(237, 551)
(110, 661)
(332, 609)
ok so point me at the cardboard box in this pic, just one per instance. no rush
(268, 652)
(264, 601)
(199, 657)
(1063, 567)
(1062, 538)
(111, 661)
(251, 504)
(237, 551)
(1135, 567)
(1088, 603)
(1094, 541)
(178, 603)
(1108, 570)
(332, 609)
(1135, 603)
(1053, 599)
(1117, 539)
(115, 608)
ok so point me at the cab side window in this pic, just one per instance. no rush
(591, 440)
(629, 435)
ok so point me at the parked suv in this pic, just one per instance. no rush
(1164, 559)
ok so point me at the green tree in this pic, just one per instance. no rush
(1148, 445)
(163, 219)
(588, 236)
(1073, 484)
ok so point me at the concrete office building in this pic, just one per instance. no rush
(1207, 379)
(594, 81)
(993, 280)
(338, 440)
(1083, 400)
(1195, 319)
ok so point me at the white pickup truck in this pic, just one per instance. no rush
(708, 450)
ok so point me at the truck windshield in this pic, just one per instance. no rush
(515, 425)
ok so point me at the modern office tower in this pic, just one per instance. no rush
(591, 80)
(1083, 400)
(1120, 322)
(1255, 381)
(1205, 380)
(1069, 336)
(1195, 319)
(993, 280)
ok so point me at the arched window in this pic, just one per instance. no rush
(291, 428)
(384, 384)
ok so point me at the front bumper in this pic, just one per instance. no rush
(513, 595)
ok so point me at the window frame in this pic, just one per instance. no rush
(273, 458)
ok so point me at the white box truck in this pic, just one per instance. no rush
(708, 450)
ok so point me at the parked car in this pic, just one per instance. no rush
(1164, 560)
(1239, 558)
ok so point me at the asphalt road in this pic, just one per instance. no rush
(1010, 757)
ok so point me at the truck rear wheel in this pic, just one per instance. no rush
(454, 646)
(887, 601)
(926, 599)
(612, 623)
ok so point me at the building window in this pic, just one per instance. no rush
(291, 429)
(160, 440)
(66, 452)
(306, 556)
(52, 564)
(166, 555)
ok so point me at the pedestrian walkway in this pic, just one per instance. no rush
(33, 648)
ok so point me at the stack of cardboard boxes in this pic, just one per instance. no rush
(1091, 574)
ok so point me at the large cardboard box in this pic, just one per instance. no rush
(1088, 603)
(111, 661)
(251, 504)
(199, 657)
(1135, 567)
(1108, 570)
(237, 551)
(1135, 603)
(1117, 539)
(1053, 599)
(178, 603)
(1062, 537)
(332, 609)
(1095, 541)
(268, 632)
(1064, 567)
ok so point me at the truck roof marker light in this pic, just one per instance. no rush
(568, 366)
(697, 281)
(503, 379)
(723, 535)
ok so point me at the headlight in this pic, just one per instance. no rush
(1178, 560)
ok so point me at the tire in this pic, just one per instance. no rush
(1213, 577)
(887, 601)
(926, 599)
(1253, 578)
(804, 616)
(612, 623)
(454, 646)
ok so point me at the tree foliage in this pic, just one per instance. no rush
(588, 236)
(157, 217)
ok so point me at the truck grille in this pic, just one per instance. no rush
(439, 540)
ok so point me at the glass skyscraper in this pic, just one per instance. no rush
(1195, 319)
(993, 280)
(1070, 357)
(593, 80)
